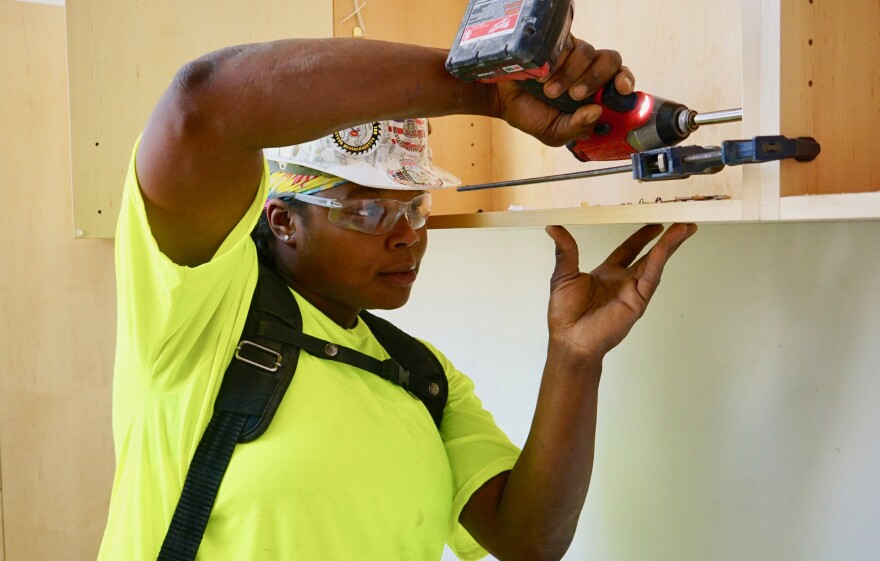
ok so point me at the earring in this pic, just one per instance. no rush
(285, 237)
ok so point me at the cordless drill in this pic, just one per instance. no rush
(501, 40)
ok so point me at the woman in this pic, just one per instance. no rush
(352, 466)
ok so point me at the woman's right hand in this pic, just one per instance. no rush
(581, 70)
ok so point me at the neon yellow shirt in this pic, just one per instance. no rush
(352, 466)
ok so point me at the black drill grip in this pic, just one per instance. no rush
(611, 98)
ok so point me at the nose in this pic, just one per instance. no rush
(403, 235)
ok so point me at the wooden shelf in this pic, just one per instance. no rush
(845, 206)
(689, 211)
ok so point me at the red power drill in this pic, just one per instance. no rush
(521, 40)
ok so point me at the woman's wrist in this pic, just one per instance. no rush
(565, 360)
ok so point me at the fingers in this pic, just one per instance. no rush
(581, 70)
(625, 81)
(566, 253)
(650, 268)
(626, 253)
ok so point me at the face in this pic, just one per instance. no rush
(343, 271)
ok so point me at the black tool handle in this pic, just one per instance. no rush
(611, 98)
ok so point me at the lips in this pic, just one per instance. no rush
(400, 276)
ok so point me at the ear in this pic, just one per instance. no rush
(281, 220)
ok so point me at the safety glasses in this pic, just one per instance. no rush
(372, 216)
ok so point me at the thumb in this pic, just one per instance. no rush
(566, 253)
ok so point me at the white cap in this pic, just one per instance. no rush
(382, 154)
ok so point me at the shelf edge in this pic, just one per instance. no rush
(690, 211)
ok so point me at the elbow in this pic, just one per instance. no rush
(196, 76)
(545, 554)
(197, 93)
(539, 550)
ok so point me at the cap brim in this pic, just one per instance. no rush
(409, 176)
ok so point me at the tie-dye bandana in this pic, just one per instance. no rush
(300, 179)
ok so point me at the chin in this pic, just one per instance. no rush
(390, 303)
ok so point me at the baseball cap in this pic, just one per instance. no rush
(382, 154)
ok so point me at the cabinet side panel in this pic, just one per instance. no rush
(122, 56)
(830, 90)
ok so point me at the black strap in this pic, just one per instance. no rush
(255, 382)
(252, 388)
(427, 379)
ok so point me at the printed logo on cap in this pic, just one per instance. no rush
(412, 174)
(410, 134)
(359, 139)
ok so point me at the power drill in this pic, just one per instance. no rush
(501, 40)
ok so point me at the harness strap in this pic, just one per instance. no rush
(387, 369)
(255, 382)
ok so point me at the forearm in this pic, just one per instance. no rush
(290, 91)
(546, 490)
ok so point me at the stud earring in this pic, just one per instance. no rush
(285, 237)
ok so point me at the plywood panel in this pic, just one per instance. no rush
(760, 28)
(2, 548)
(122, 56)
(689, 51)
(461, 144)
(57, 305)
(831, 90)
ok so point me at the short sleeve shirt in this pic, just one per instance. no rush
(352, 466)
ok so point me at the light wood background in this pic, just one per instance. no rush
(118, 70)
(57, 304)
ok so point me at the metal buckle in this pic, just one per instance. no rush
(266, 350)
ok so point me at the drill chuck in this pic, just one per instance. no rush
(689, 120)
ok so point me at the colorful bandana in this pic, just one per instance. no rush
(300, 179)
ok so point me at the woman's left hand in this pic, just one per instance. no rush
(591, 313)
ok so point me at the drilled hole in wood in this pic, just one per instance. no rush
(810, 83)
(811, 42)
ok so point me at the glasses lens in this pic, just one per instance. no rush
(419, 210)
(363, 215)
(378, 216)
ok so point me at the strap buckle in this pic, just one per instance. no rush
(395, 373)
(265, 350)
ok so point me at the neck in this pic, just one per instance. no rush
(343, 315)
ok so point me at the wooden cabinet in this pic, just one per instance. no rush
(797, 67)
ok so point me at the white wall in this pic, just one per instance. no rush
(739, 419)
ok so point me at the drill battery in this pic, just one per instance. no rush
(502, 40)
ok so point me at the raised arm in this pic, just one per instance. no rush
(199, 162)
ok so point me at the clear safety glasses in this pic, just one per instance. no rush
(372, 216)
